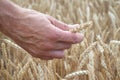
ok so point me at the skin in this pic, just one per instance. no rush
(39, 34)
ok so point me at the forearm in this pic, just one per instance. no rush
(8, 15)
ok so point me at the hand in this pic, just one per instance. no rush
(42, 36)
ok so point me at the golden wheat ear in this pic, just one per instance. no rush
(81, 26)
(77, 73)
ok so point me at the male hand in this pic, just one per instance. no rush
(42, 35)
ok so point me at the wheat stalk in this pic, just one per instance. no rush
(23, 70)
(91, 65)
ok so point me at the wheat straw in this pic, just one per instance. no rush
(118, 66)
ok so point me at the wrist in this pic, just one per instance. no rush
(8, 8)
(9, 13)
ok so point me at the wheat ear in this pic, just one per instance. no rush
(83, 72)
(81, 26)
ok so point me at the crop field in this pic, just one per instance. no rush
(96, 58)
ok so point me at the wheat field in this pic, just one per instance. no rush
(96, 58)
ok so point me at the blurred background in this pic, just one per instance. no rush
(96, 58)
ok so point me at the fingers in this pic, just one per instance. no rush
(62, 46)
(55, 46)
(62, 31)
(57, 23)
(66, 36)
(47, 55)
(60, 24)
(69, 37)
(54, 54)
